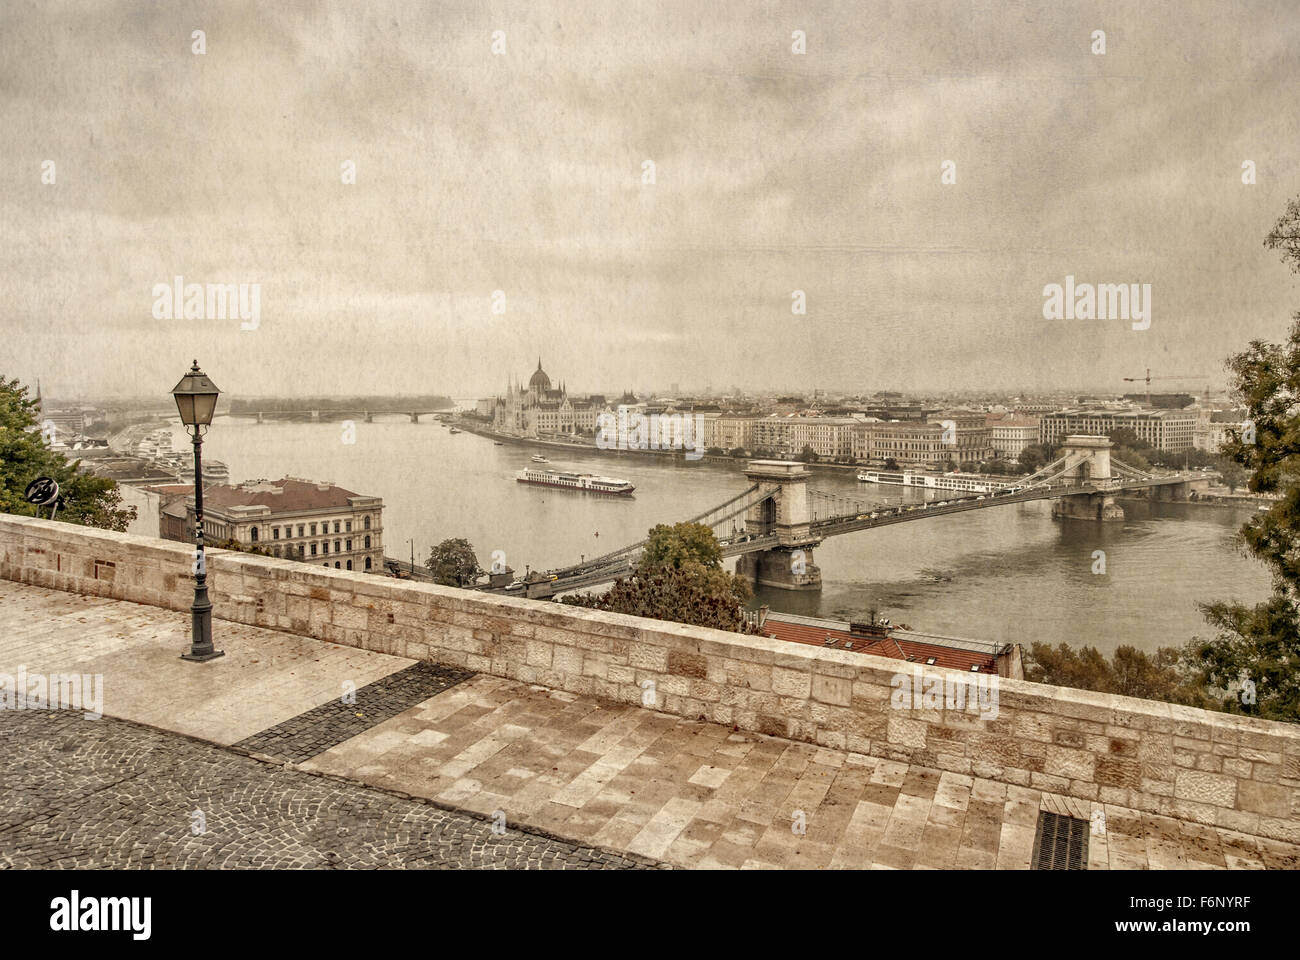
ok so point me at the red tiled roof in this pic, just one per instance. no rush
(296, 495)
(898, 648)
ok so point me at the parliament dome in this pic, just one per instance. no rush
(539, 381)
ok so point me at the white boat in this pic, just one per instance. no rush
(538, 458)
(586, 482)
(947, 481)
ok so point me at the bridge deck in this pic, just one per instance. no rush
(619, 563)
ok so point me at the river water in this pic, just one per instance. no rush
(1009, 573)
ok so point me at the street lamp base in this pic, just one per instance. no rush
(203, 657)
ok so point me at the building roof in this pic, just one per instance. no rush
(539, 381)
(900, 645)
(286, 494)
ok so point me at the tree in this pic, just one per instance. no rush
(1255, 655)
(1162, 675)
(680, 578)
(807, 454)
(1036, 456)
(738, 452)
(680, 544)
(691, 594)
(453, 563)
(25, 455)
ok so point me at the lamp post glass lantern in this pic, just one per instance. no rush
(196, 400)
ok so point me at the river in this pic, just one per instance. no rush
(1009, 573)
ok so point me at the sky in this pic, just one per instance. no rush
(522, 170)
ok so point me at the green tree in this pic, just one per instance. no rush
(680, 578)
(453, 563)
(738, 452)
(1255, 655)
(681, 543)
(807, 454)
(1036, 456)
(1130, 672)
(25, 455)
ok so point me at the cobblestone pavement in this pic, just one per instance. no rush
(112, 794)
(328, 725)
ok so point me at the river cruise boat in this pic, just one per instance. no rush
(586, 482)
(947, 481)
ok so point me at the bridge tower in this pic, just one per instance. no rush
(1087, 461)
(315, 416)
(259, 416)
(785, 513)
(415, 417)
(370, 417)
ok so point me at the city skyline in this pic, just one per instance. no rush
(522, 171)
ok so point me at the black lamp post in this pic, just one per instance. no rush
(196, 399)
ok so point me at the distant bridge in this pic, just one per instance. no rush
(360, 413)
(784, 521)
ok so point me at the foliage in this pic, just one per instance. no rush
(807, 454)
(691, 594)
(1260, 645)
(453, 563)
(1257, 643)
(1130, 672)
(681, 543)
(25, 455)
(678, 578)
(1036, 456)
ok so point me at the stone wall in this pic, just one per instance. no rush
(1205, 767)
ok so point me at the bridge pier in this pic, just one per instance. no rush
(370, 417)
(259, 416)
(415, 417)
(785, 568)
(1087, 506)
(315, 416)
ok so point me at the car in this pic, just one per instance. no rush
(724, 543)
(980, 497)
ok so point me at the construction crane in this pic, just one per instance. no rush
(1148, 378)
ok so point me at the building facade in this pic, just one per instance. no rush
(1009, 436)
(539, 410)
(1170, 430)
(290, 518)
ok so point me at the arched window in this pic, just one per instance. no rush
(366, 523)
(367, 544)
(367, 563)
(254, 534)
(349, 564)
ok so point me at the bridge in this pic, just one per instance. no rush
(784, 521)
(315, 415)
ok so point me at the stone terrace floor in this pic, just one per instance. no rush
(614, 780)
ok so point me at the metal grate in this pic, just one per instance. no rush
(1061, 843)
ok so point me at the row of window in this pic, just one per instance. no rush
(340, 546)
(349, 566)
(303, 529)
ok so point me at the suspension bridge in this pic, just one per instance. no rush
(783, 520)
